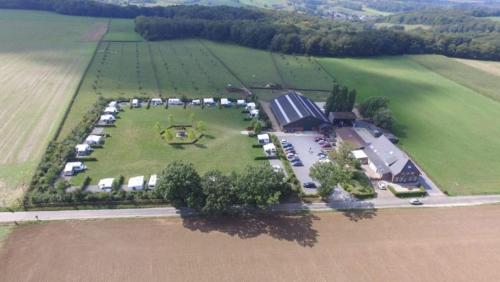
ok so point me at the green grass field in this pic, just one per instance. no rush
(449, 129)
(43, 56)
(122, 30)
(136, 148)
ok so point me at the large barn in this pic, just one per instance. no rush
(295, 112)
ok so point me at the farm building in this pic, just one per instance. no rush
(263, 139)
(107, 119)
(174, 102)
(156, 102)
(73, 167)
(83, 150)
(270, 150)
(110, 111)
(225, 102)
(350, 136)
(94, 140)
(208, 101)
(105, 183)
(341, 119)
(295, 112)
(152, 181)
(376, 131)
(390, 163)
(136, 183)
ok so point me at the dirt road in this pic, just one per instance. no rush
(443, 244)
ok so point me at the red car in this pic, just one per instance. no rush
(326, 145)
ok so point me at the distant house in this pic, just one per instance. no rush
(208, 101)
(105, 183)
(270, 150)
(94, 140)
(174, 102)
(110, 111)
(263, 139)
(350, 136)
(136, 183)
(390, 163)
(152, 181)
(73, 167)
(107, 119)
(225, 102)
(295, 112)
(156, 102)
(83, 150)
(341, 119)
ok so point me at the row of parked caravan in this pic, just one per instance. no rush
(134, 183)
(195, 102)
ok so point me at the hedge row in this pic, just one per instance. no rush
(420, 192)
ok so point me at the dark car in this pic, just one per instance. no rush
(287, 145)
(309, 185)
(297, 162)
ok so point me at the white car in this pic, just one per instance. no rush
(416, 202)
(382, 185)
(283, 141)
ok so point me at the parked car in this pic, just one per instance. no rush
(289, 149)
(287, 145)
(416, 202)
(382, 185)
(292, 157)
(318, 138)
(283, 141)
(297, 163)
(327, 145)
(309, 184)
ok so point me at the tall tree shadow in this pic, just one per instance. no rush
(289, 227)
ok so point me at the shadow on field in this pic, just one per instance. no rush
(357, 215)
(291, 227)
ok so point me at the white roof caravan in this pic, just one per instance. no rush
(208, 101)
(253, 113)
(251, 106)
(152, 181)
(225, 102)
(136, 103)
(94, 140)
(107, 119)
(105, 183)
(263, 138)
(83, 150)
(113, 104)
(136, 183)
(196, 102)
(73, 167)
(174, 101)
(156, 102)
(110, 111)
(270, 150)
(241, 102)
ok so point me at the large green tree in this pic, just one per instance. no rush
(341, 99)
(219, 193)
(372, 104)
(260, 186)
(383, 118)
(180, 184)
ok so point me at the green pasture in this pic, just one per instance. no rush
(450, 130)
(135, 146)
(122, 30)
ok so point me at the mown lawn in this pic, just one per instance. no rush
(136, 148)
(450, 130)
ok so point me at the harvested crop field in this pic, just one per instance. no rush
(454, 244)
(43, 57)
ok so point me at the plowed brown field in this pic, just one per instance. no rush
(459, 244)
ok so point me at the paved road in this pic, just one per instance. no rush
(338, 202)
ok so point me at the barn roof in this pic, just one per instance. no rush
(293, 107)
(384, 154)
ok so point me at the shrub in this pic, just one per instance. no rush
(418, 192)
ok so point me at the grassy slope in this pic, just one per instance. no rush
(446, 127)
(135, 147)
(43, 56)
(486, 83)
